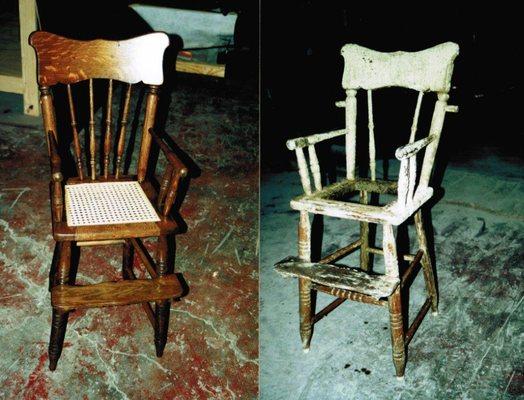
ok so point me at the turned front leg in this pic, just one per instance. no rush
(304, 285)
(394, 302)
(162, 308)
(59, 318)
(427, 266)
(397, 332)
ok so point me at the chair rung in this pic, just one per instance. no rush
(376, 286)
(66, 297)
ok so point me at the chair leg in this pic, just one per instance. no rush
(397, 332)
(162, 308)
(56, 342)
(427, 266)
(304, 285)
(364, 237)
(127, 260)
(394, 302)
(59, 319)
(305, 312)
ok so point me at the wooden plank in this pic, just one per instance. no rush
(27, 11)
(100, 242)
(199, 68)
(62, 232)
(11, 84)
(352, 279)
(66, 297)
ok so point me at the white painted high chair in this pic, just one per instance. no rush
(424, 71)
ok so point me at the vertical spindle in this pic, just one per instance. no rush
(371, 132)
(107, 136)
(351, 129)
(415, 117)
(122, 132)
(76, 140)
(92, 144)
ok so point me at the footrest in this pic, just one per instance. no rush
(66, 297)
(352, 279)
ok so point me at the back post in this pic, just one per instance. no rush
(149, 122)
(48, 113)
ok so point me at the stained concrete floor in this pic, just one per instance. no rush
(472, 350)
(212, 347)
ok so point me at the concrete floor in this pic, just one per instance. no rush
(212, 347)
(472, 350)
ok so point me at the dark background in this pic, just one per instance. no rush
(113, 19)
(302, 73)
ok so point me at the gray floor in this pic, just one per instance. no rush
(472, 350)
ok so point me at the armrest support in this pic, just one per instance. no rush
(173, 174)
(411, 149)
(304, 141)
(57, 196)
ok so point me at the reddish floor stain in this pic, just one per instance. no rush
(212, 348)
(36, 387)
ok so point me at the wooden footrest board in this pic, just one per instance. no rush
(66, 297)
(377, 286)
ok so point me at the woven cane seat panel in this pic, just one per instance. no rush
(107, 203)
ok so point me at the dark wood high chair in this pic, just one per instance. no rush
(427, 71)
(93, 209)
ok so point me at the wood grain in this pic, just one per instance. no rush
(63, 60)
(66, 297)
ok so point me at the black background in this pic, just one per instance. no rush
(302, 72)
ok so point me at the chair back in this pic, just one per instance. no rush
(121, 63)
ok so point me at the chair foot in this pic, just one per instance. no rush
(400, 378)
(56, 342)
(305, 350)
(434, 313)
(162, 325)
(397, 332)
(52, 365)
(305, 311)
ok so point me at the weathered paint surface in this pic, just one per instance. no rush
(473, 349)
(377, 286)
(109, 353)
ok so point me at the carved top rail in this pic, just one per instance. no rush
(423, 71)
(63, 60)
(426, 70)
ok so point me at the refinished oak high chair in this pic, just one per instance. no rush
(107, 208)
(424, 71)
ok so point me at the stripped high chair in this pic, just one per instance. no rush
(424, 71)
(99, 207)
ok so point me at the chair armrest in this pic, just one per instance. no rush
(304, 141)
(174, 172)
(171, 157)
(411, 149)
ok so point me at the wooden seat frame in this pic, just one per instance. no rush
(424, 71)
(66, 61)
